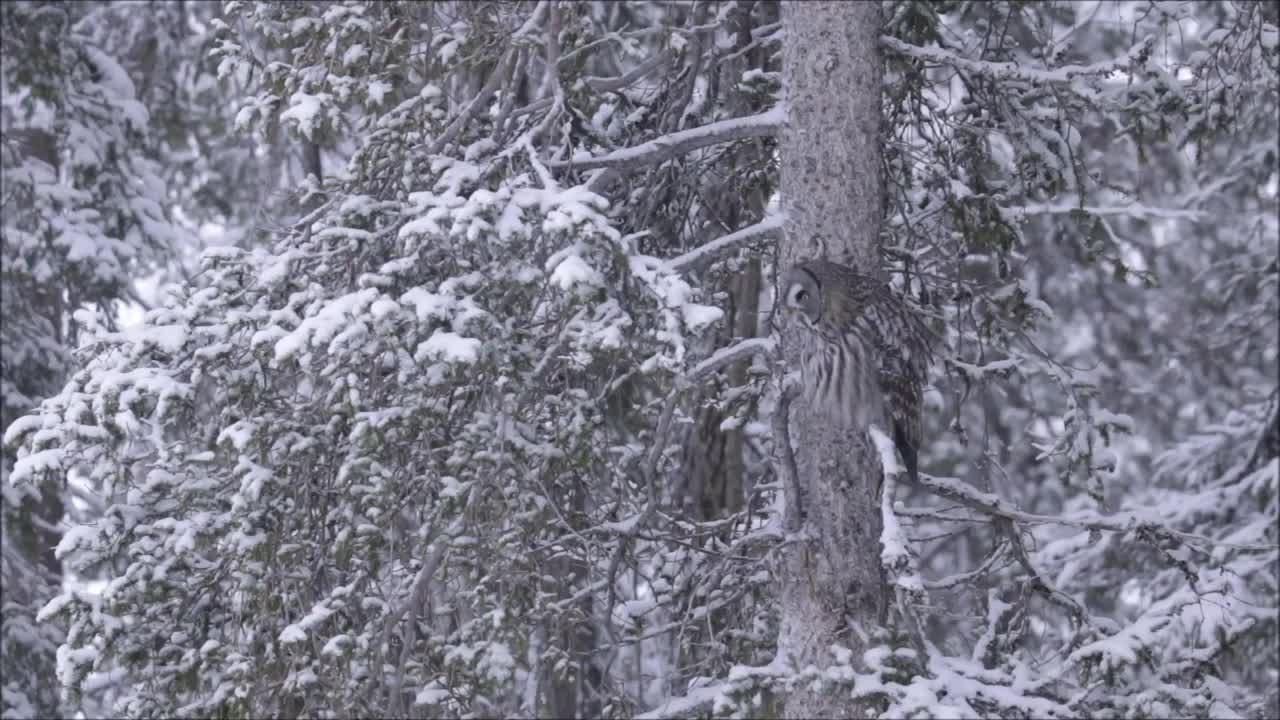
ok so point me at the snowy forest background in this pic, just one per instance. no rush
(419, 360)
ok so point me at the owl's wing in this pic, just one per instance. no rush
(905, 349)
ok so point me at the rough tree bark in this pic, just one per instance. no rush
(832, 589)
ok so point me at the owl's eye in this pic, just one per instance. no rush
(801, 294)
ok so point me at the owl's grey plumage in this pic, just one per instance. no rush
(864, 353)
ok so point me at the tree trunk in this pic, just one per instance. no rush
(575, 693)
(832, 586)
(311, 160)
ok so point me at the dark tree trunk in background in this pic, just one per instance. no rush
(32, 369)
(575, 693)
(714, 468)
(46, 304)
(311, 160)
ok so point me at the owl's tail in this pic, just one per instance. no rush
(908, 452)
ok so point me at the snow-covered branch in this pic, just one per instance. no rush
(725, 356)
(993, 506)
(1133, 210)
(1017, 71)
(700, 697)
(895, 555)
(769, 228)
(784, 456)
(950, 581)
(668, 146)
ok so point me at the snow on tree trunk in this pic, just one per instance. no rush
(831, 584)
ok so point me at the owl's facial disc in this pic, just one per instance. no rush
(801, 301)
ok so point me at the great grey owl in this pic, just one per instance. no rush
(864, 353)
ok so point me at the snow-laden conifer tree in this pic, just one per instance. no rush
(83, 217)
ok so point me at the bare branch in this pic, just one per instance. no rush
(642, 70)
(687, 76)
(952, 580)
(416, 600)
(496, 78)
(1040, 583)
(533, 107)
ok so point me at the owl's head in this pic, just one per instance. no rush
(802, 294)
